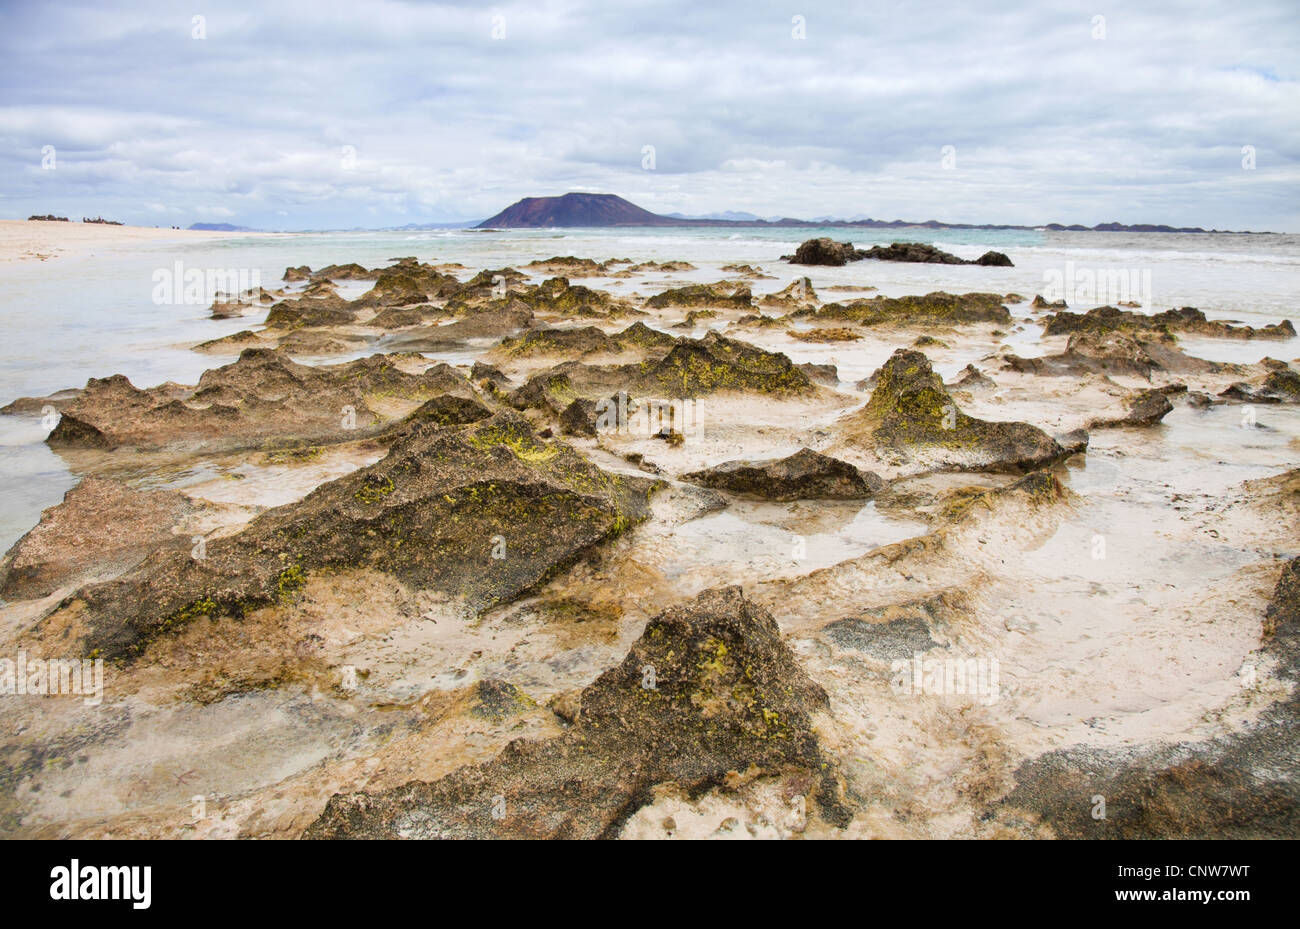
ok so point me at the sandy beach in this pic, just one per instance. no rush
(37, 240)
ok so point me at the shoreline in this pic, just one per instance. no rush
(24, 240)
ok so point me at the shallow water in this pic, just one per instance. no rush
(72, 318)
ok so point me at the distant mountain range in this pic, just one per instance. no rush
(592, 210)
(583, 210)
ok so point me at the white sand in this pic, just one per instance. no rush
(35, 240)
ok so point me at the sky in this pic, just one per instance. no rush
(322, 115)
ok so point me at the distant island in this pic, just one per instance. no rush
(589, 210)
(219, 227)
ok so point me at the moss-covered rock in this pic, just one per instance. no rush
(1188, 320)
(482, 513)
(708, 692)
(703, 295)
(264, 396)
(935, 309)
(911, 417)
(805, 475)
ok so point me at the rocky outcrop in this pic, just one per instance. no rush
(692, 368)
(70, 542)
(1117, 352)
(805, 475)
(262, 397)
(935, 309)
(1280, 385)
(1145, 408)
(431, 513)
(825, 252)
(911, 419)
(703, 295)
(1187, 320)
(829, 252)
(707, 695)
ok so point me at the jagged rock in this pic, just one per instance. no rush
(911, 417)
(556, 295)
(587, 340)
(1040, 303)
(702, 295)
(805, 475)
(262, 396)
(913, 252)
(972, 378)
(935, 309)
(331, 310)
(693, 368)
(348, 272)
(70, 542)
(1280, 385)
(1117, 352)
(1185, 320)
(1145, 408)
(300, 273)
(569, 266)
(481, 372)
(406, 283)
(832, 334)
(826, 374)
(579, 418)
(496, 320)
(825, 252)
(727, 699)
(797, 294)
(428, 513)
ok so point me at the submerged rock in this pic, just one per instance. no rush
(708, 693)
(805, 475)
(1145, 408)
(481, 513)
(911, 417)
(1280, 385)
(1114, 352)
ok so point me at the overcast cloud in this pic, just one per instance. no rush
(256, 123)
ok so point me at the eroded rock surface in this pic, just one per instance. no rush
(708, 695)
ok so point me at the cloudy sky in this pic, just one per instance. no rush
(334, 115)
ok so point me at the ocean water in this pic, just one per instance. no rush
(76, 317)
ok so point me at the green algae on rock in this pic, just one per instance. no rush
(933, 309)
(482, 513)
(805, 475)
(262, 397)
(707, 694)
(911, 416)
